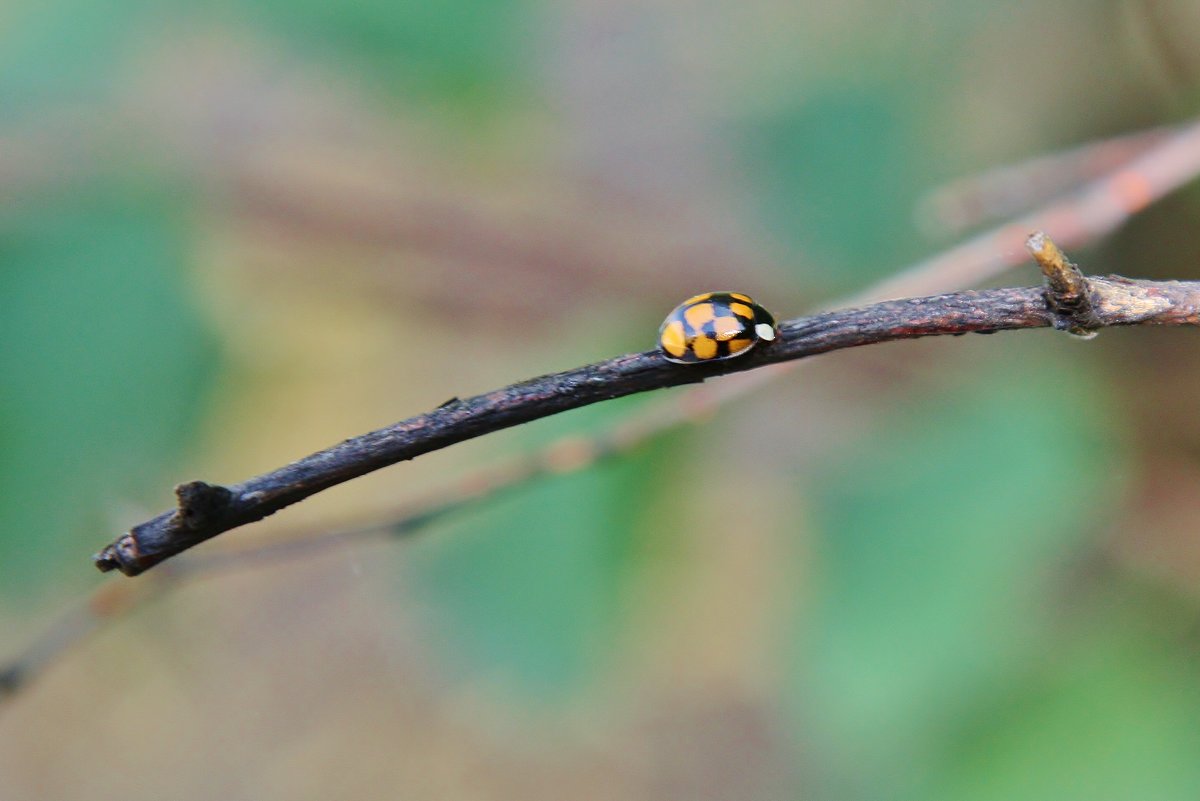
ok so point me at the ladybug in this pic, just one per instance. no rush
(714, 326)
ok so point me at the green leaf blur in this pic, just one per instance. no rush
(945, 542)
(989, 593)
(105, 364)
(529, 590)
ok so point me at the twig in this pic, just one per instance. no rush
(1096, 210)
(206, 510)
(114, 599)
(111, 601)
(1085, 216)
(1002, 192)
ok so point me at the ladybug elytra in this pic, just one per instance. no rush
(714, 326)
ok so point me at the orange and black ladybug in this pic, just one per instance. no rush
(714, 326)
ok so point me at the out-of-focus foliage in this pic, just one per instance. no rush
(462, 50)
(231, 234)
(952, 529)
(832, 172)
(530, 589)
(104, 363)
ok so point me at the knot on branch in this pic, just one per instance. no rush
(199, 502)
(1068, 294)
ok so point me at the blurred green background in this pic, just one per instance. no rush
(234, 233)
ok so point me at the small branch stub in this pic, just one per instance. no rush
(200, 502)
(1068, 294)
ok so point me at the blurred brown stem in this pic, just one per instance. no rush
(206, 510)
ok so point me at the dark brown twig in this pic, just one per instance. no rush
(113, 600)
(1094, 211)
(568, 454)
(206, 510)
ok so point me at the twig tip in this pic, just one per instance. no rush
(1057, 269)
(122, 554)
(106, 560)
(1036, 242)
